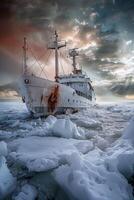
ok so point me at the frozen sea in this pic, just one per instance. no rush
(86, 155)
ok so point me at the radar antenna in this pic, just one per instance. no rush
(74, 53)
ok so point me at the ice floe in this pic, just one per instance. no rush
(76, 156)
(44, 153)
(7, 181)
(65, 128)
(28, 192)
(129, 131)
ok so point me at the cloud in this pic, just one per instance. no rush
(102, 29)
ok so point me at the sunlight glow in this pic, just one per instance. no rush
(129, 97)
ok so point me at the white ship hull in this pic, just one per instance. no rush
(44, 97)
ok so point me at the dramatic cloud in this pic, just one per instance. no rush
(101, 29)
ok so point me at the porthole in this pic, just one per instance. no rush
(26, 81)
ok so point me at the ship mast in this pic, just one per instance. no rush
(56, 45)
(25, 55)
(73, 53)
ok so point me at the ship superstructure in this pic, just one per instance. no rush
(79, 81)
(70, 92)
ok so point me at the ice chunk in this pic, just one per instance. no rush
(26, 126)
(91, 180)
(28, 192)
(3, 149)
(48, 125)
(41, 153)
(7, 134)
(126, 164)
(101, 142)
(75, 161)
(51, 119)
(121, 157)
(7, 181)
(89, 124)
(65, 128)
(129, 131)
(85, 146)
(86, 134)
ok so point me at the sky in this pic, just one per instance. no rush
(101, 29)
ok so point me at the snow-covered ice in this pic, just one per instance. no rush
(7, 181)
(86, 155)
(65, 128)
(3, 149)
(129, 131)
(43, 153)
(28, 192)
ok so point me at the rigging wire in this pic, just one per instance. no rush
(66, 59)
(37, 61)
(42, 66)
(46, 61)
(62, 65)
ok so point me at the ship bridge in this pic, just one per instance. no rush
(79, 82)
